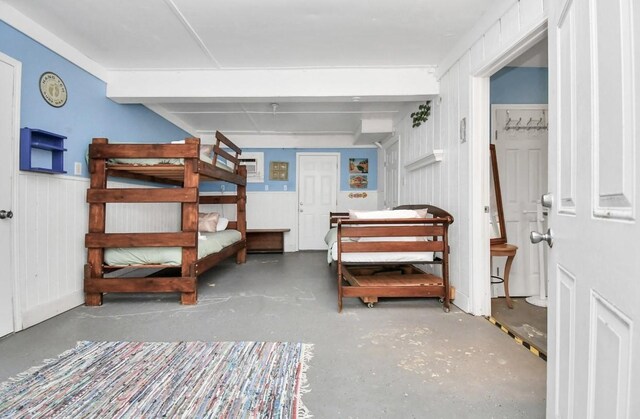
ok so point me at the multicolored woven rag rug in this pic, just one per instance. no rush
(154, 380)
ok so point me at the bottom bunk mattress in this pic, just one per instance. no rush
(331, 239)
(208, 244)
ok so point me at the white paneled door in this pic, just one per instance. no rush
(594, 264)
(7, 132)
(317, 196)
(521, 150)
(391, 175)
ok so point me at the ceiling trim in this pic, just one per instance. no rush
(221, 85)
(36, 32)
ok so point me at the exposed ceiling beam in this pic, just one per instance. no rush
(405, 84)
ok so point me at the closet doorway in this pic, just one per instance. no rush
(521, 138)
(519, 131)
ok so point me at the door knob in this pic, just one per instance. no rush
(537, 237)
(5, 214)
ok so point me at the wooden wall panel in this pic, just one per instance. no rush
(448, 183)
(510, 24)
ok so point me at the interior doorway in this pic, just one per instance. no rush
(317, 196)
(519, 132)
(391, 173)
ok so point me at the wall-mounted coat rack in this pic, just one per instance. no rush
(532, 124)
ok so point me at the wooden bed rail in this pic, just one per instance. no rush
(101, 149)
(371, 280)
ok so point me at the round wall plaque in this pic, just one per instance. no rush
(53, 90)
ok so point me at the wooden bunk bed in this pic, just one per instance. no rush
(377, 257)
(179, 170)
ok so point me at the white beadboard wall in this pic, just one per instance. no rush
(50, 222)
(448, 184)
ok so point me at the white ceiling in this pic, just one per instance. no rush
(235, 38)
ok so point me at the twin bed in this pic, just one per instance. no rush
(377, 253)
(180, 169)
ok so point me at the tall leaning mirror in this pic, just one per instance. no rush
(498, 232)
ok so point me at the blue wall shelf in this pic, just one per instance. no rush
(51, 143)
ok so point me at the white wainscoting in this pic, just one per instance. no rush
(51, 221)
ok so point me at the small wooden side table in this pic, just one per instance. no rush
(509, 251)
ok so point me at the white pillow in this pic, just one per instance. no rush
(222, 224)
(383, 214)
(388, 214)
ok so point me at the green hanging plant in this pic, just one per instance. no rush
(422, 115)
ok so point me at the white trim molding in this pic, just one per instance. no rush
(426, 160)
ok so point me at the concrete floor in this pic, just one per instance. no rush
(405, 358)
(524, 320)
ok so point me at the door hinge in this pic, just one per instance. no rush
(496, 135)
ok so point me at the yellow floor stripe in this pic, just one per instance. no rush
(518, 340)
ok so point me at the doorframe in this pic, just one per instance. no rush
(395, 139)
(313, 153)
(480, 117)
(518, 106)
(14, 161)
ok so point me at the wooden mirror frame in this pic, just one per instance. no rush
(498, 195)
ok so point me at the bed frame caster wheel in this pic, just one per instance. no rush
(446, 310)
(441, 300)
(370, 305)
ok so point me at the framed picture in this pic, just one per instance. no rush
(279, 170)
(358, 181)
(358, 165)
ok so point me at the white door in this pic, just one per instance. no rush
(521, 150)
(7, 133)
(317, 196)
(391, 175)
(594, 265)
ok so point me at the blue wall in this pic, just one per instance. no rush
(520, 85)
(88, 112)
(289, 155)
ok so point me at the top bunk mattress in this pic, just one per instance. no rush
(208, 244)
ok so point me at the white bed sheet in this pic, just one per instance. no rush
(372, 257)
(210, 243)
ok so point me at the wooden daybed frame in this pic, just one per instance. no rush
(369, 281)
(183, 182)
